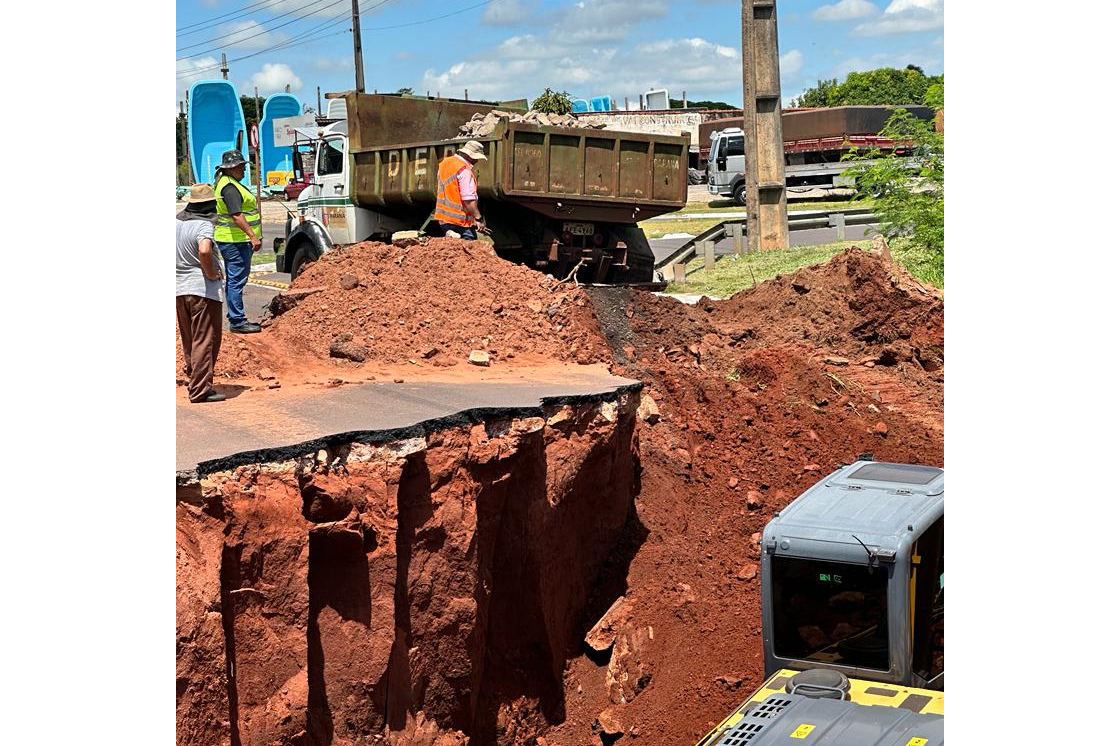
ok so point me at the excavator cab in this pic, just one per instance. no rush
(852, 576)
(852, 615)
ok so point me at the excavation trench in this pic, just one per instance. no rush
(388, 588)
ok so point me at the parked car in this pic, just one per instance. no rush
(295, 187)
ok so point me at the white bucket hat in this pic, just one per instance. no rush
(473, 149)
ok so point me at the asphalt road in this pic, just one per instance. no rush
(274, 425)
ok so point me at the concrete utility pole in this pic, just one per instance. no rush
(359, 68)
(767, 222)
(187, 140)
(183, 138)
(225, 68)
(319, 100)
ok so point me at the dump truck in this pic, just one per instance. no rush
(562, 200)
(852, 578)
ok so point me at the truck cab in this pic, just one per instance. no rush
(852, 614)
(727, 164)
(325, 215)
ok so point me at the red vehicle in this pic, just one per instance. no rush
(295, 187)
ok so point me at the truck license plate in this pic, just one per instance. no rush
(580, 229)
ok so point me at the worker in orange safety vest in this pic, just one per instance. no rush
(457, 195)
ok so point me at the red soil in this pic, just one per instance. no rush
(760, 396)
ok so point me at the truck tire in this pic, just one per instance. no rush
(300, 260)
(741, 194)
(639, 257)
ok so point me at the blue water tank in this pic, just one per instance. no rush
(601, 103)
(579, 105)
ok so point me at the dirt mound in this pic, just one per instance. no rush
(854, 304)
(435, 302)
(757, 402)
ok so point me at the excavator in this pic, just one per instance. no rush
(853, 615)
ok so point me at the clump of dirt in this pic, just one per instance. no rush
(436, 302)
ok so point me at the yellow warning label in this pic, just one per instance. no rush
(802, 731)
(917, 741)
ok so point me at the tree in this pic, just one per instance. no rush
(677, 103)
(404, 91)
(250, 106)
(909, 191)
(553, 102)
(824, 93)
(883, 86)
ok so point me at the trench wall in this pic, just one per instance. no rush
(346, 595)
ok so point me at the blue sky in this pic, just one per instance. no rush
(506, 49)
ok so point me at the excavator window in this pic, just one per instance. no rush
(831, 612)
(927, 572)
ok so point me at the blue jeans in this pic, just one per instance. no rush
(468, 234)
(238, 260)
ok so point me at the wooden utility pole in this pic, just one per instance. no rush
(225, 68)
(767, 221)
(359, 68)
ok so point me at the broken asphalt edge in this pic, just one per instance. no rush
(473, 416)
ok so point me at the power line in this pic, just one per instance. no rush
(295, 41)
(265, 30)
(284, 45)
(246, 11)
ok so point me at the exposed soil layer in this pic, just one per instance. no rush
(416, 591)
(748, 402)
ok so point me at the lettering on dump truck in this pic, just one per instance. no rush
(394, 164)
(420, 162)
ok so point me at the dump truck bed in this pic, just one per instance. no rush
(556, 171)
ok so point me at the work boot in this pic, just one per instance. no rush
(247, 328)
(211, 396)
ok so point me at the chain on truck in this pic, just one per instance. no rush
(558, 199)
(852, 615)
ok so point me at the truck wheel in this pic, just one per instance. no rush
(300, 260)
(741, 194)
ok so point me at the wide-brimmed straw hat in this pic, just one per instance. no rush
(201, 193)
(473, 149)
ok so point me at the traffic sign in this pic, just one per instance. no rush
(254, 136)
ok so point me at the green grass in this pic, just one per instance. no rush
(659, 228)
(264, 256)
(731, 275)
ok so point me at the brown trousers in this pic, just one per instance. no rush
(200, 328)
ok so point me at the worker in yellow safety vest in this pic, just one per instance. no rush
(457, 195)
(237, 233)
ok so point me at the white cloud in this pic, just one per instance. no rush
(790, 63)
(906, 17)
(509, 12)
(188, 72)
(272, 78)
(699, 66)
(326, 65)
(845, 10)
(247, 35)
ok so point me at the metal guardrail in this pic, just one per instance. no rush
(705, 242)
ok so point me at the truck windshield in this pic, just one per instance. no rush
(330, 157)
(831, 612)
